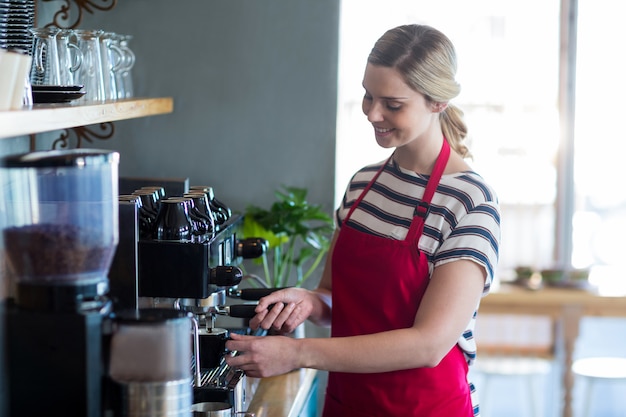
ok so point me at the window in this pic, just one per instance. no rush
(509, 73)
(599, 219)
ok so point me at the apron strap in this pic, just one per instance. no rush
(422, 209)
(366, 189)
(440, 165)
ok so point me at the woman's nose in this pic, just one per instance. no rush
(372, 111)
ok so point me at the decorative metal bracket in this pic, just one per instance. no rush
(62, 17)
(84, 134)
(81, 134)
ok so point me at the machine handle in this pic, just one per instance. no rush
(252, 294)
(243, 311)
(225, 276)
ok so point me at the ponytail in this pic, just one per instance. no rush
(454, 129)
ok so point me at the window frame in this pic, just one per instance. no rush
(567, 114)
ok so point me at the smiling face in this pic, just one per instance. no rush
(401, 116)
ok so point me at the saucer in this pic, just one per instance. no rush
(58, 88)
(46, 96)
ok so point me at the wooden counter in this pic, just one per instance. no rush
(550, 300)
(281, 396)
(566, 307)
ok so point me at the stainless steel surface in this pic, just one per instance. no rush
(202, 306)
(157, 399)
(150, 345)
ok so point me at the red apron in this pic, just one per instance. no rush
(378, 284)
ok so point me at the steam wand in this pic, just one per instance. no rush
(196, 352)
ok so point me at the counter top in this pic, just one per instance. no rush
(511, 298)
(280, 396)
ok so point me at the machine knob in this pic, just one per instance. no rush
(252, 247)
(225, 276)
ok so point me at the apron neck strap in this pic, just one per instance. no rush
(440, 165)
(366, 189)
(422, 209)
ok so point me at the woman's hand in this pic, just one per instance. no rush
(283, 310)
(262, 356)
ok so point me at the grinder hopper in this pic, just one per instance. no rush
(62, 222)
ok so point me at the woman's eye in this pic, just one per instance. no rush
(394, 107)
(367, 97)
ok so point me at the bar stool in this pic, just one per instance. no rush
(598, 369)
(514, 346)
(528, 369)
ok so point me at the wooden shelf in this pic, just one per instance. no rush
(47, 117)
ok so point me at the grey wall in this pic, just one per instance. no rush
(254, 85)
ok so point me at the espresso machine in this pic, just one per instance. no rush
(60, 236)
(181, 252)
(113, 298)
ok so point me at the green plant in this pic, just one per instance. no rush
(298, 236)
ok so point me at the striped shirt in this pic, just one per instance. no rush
(463, 220)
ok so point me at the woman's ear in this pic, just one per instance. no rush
(439, 107)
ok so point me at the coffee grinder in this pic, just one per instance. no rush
(60, 236)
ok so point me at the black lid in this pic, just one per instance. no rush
(61, 158)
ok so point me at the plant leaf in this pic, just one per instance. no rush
(304, 228)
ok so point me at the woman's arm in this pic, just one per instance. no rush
(451, 298)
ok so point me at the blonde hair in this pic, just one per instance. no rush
(426, 59)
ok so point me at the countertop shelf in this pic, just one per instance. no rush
(48, 117)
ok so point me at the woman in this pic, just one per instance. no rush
(415, 249)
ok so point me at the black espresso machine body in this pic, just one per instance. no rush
(190, 272)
